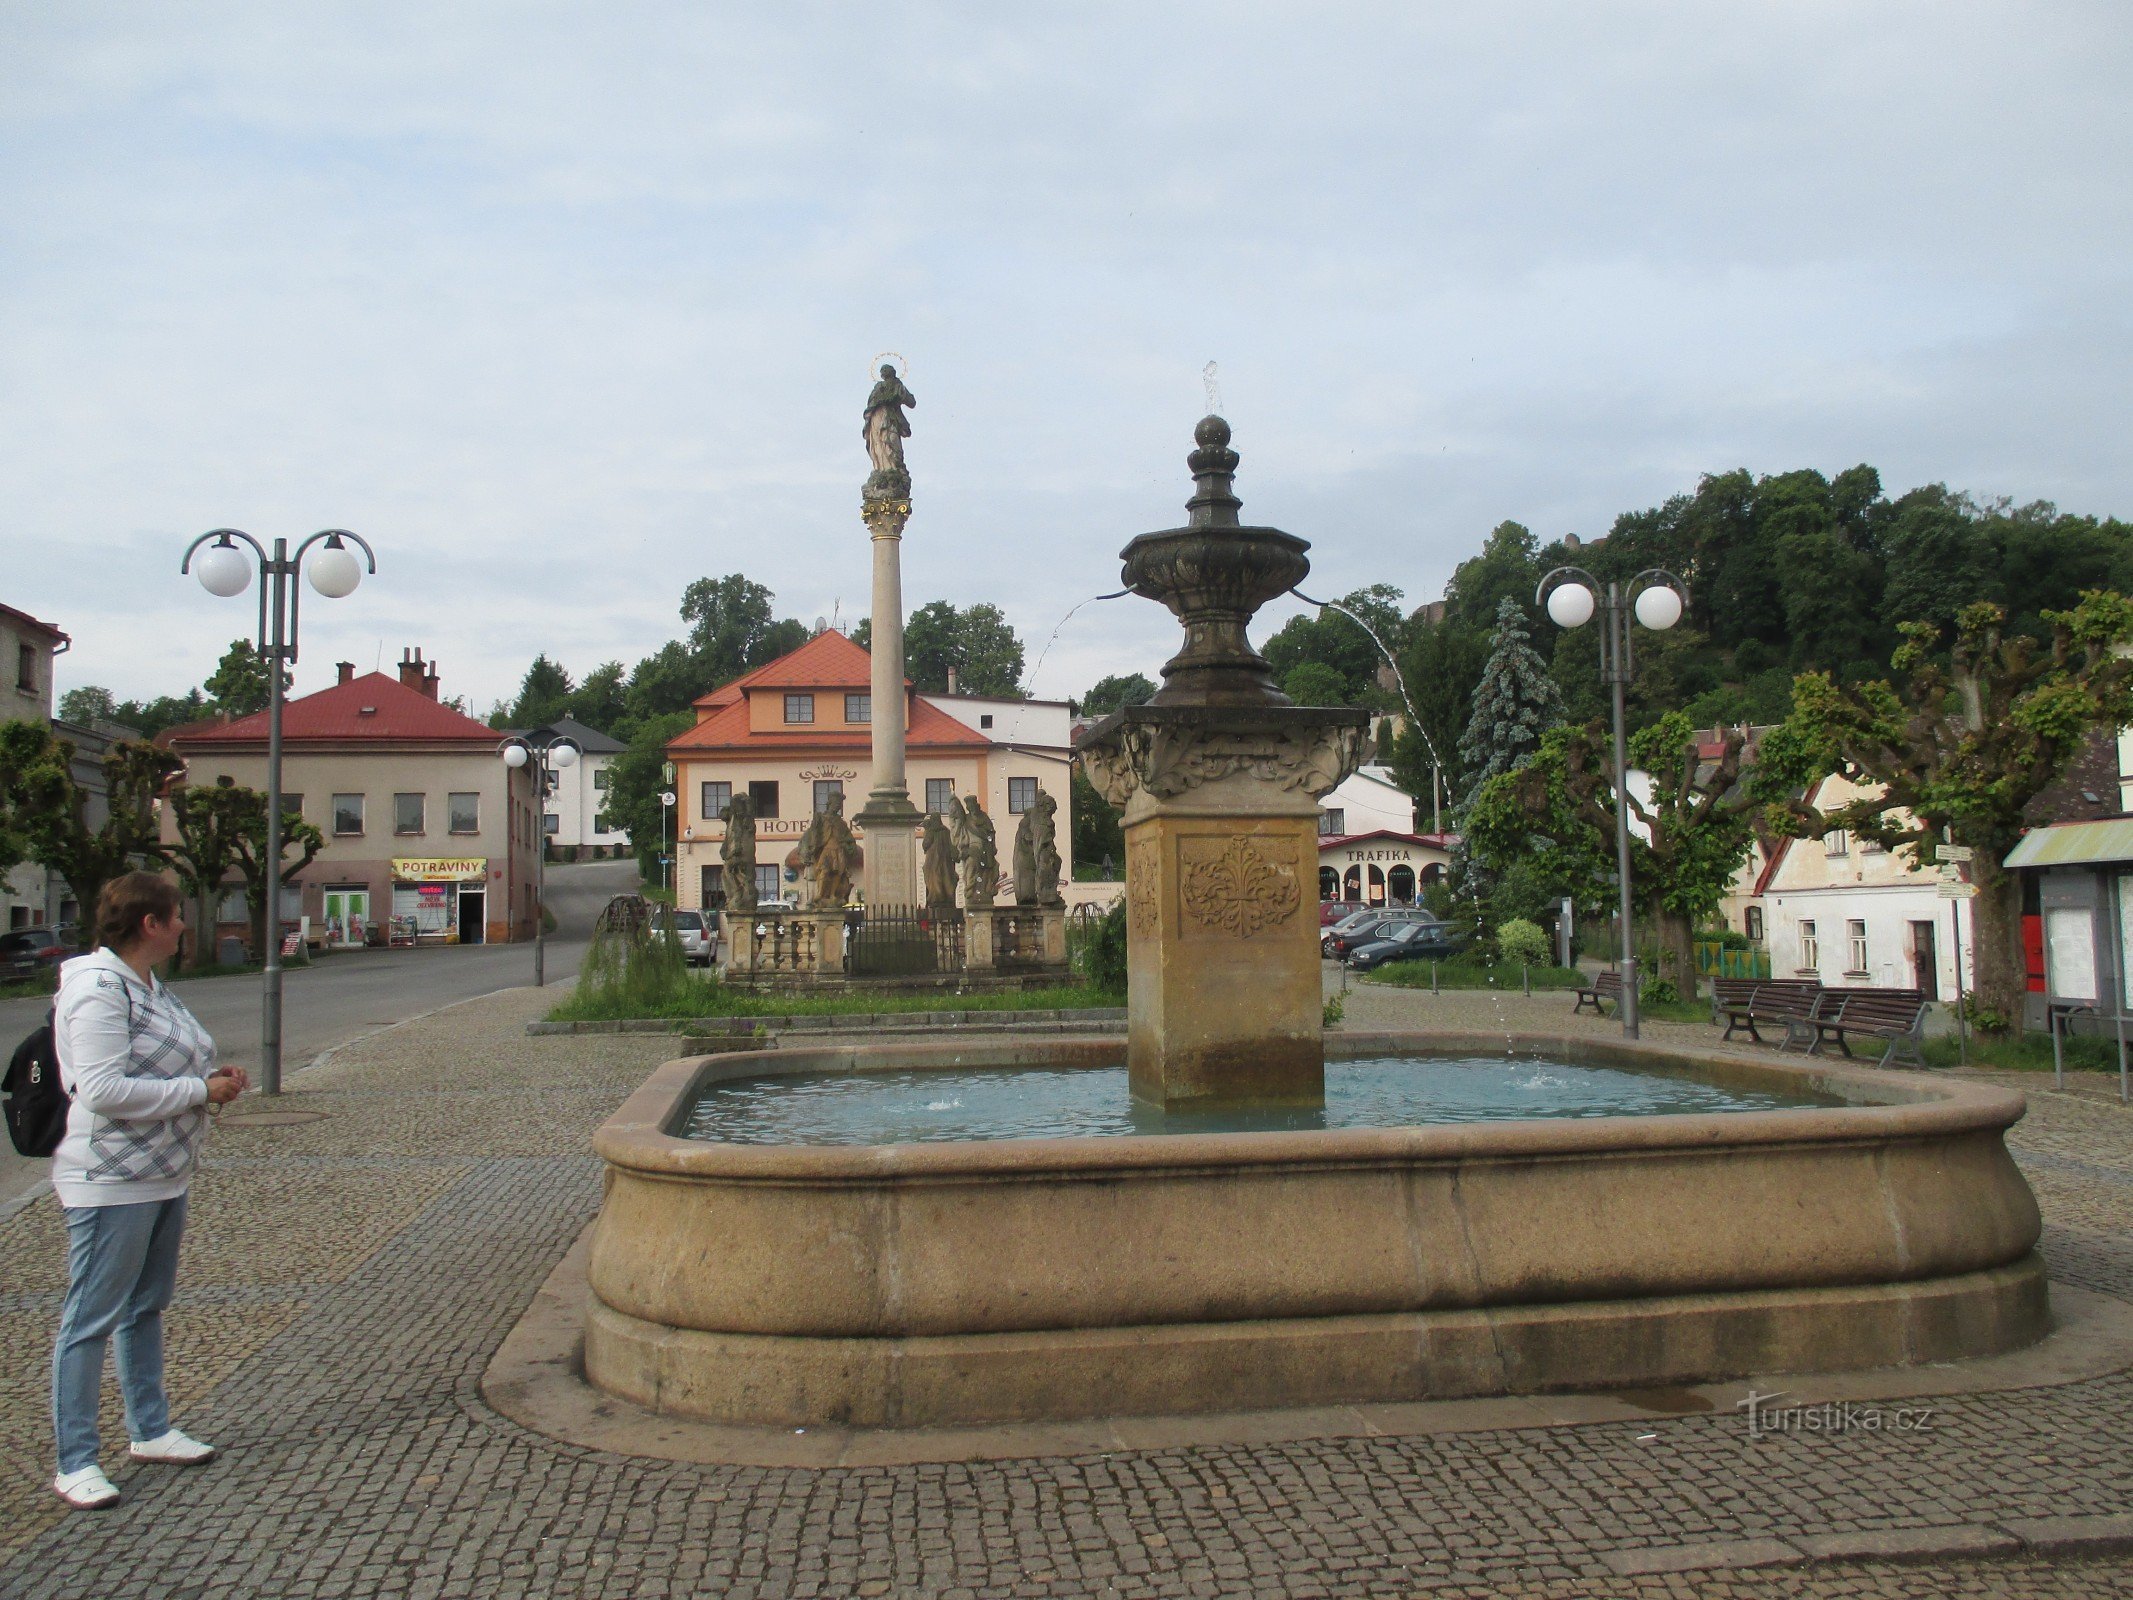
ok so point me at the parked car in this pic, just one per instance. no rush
(698, 935)
(31, 952)
(1332, 911)
(1408, 941)
(1360, 929)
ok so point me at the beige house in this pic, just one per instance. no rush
(429, 835)
(797, 730)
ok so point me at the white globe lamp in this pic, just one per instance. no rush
(1570, 605)
(562, 754)
(514, 755)
(222, 569)
(1659, 607)
(334, 570)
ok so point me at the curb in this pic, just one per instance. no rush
(838, 1022)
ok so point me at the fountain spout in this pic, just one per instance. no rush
(1219, 777)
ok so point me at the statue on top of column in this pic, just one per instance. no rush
(885, 431)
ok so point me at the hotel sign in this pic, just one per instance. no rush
(439, 869)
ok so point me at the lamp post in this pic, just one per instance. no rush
(224, 570)
(667, 850)
(549, 753)
(1658, 598)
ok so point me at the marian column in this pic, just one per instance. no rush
(889, 820)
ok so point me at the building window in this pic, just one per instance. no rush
(233, 907)
(26, 668)
(1332, 821)
(1021, 795)
(940, 795)
(407, 813)
(1871, 847)
(825, 788)
(600, 777)
(292, 805)
(763, 798)
(347, 815)
(600, 823)
(858, 708)
(985, 719)
(715, 797)
(1836, 842)
(799, 708)
(1810, 948)
(551, 822)
(1752, 920)
(1857, 930)
(464, 811)
(766, 881)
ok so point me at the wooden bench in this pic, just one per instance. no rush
(1741, 1003)
(1895, 1015)
(1606, 986)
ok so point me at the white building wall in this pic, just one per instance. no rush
(578, 803)
(1368, 801)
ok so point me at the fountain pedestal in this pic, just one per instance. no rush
(1219, 777)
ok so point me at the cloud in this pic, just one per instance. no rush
(564, 308)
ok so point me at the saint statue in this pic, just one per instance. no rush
(885, 431)
(736, 854)
(1037, 854)
(829, 855)
(940, 864)
(974, 842)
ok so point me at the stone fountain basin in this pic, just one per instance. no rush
(1025, 1280)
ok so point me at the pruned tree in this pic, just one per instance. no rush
(208, 824)
(1956, 746)
(249, 843)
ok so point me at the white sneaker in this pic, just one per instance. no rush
(175, 1448)
(86, 1490)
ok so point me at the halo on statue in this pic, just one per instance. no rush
(903, 367)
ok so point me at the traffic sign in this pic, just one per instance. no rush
(1957, 852)
(1950, 890)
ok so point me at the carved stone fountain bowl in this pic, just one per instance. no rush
(1215, 571)
(1026, 1279)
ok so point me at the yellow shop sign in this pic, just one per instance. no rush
(439, 869)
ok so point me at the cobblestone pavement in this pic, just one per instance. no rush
(347, 1278)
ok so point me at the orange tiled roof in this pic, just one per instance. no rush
(828, 660)
(727, 729)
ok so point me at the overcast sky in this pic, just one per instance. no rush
(563, 306)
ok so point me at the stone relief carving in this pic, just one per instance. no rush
(1238, 886)
(1144, 887)
(1170, 761)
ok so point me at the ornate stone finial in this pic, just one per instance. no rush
(1212, 505)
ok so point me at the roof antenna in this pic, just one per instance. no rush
(378, 665)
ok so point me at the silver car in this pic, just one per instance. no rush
(699, 937)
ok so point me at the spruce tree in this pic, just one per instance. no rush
(1514, 704)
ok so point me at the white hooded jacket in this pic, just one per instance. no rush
(135, 1061)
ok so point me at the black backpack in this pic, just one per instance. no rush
(36, 1100)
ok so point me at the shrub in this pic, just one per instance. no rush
(1330, 1014)
(1522, 943)
(1656, 990)
(1097, 950)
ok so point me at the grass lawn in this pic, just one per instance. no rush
(707, 997)
(1456, 974)
(2031, 1052)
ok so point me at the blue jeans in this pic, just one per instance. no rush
(122, 1263)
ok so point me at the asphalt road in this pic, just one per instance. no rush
(350, 993)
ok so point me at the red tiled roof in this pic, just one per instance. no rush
(394, 712)
(727, 729)
(829, 660)
(27, 620)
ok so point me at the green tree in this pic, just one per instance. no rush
(1515, 703)
(1313, 683)
(239, 684)
(601, 700)
(1688, 838)
(43, 806)
(1342, 645)
(636, 778)
(1506, 569)
(977, 642)
(1097, 831)
(151, 717)
(1959, 743)
(1115, 693)
(665, 684)
(250, 842)
(208, 821)
(86, 705)
(732, 628)
(1440, 664)
(543, 695)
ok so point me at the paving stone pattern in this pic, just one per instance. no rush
(347, 1280)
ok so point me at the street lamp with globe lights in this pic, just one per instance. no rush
(223, 570)
(548, 753)
(1657, 598)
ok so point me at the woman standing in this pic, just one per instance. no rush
(141, 1073)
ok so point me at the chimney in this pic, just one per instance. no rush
(429, 681)
(411, 669)
(345, 671)
(951, 680)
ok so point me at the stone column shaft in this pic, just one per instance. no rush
(889, 821)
